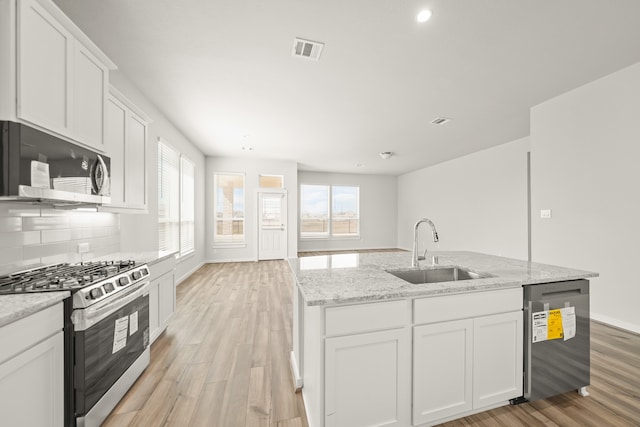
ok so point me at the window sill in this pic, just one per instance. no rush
(228, 245)
(184, 257)
(334, 238)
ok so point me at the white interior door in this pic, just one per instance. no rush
(272, 227)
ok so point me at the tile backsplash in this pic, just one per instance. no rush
(32, 235)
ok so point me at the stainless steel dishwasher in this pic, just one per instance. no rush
(556, 344)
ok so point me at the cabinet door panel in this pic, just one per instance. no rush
(442, 363)
(497, 370)
(90, 90)
(167, 300)
(44, 68)
(114, 147)
(367, 379)
(32, 386)
(135, 162)
(154, 322)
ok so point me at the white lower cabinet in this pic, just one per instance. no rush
(32, 371)
(367, 379)
(467, 365)
(417, 362)
(442, 366)
(497, 358)
(162, 296)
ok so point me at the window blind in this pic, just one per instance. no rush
(168, 198)
(187, 206)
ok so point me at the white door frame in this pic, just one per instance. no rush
(282, 191)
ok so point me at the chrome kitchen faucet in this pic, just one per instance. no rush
(415, 257)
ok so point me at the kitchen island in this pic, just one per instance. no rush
(370, 348)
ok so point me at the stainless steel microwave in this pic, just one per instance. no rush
(37, 166)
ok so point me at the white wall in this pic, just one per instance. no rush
(477, 202)
(251, 167)
(377, 211)
(139, 232)
(585, 167)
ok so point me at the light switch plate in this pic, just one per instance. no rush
(545, 213)
(83, 248)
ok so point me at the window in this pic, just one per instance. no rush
(344, 211)
(329, 211)
(271, 181)
(176, 201)
(168, 196)
(314, 210)
(187, 206)
(228, 200)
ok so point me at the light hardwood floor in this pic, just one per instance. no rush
(223, 361)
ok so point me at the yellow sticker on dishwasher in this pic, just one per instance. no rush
(554, 325)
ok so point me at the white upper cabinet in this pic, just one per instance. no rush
(115, 135)
(54, 77)
(44, 68)
(126, 144)
(135, 162)
(90, 80)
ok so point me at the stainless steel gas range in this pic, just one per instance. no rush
(106, 330)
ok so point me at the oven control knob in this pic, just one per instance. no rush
(108, 288)
(123, 281)
(136, 275)
(95, 293)
(144, 272)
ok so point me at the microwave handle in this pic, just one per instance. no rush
(100, 177)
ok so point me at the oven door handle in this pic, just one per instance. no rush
(85, 318)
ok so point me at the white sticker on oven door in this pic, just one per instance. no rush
(539, 322)
(133, 323)
(569, 322)
(120, 334)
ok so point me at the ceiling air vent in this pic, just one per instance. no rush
(440, 121)
(307, 49)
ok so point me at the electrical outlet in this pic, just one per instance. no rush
(83, 248)
(545, 213)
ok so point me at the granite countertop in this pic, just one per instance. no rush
(148, 257)
(351, 278)
(15, 307)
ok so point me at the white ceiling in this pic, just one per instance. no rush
(222, 71)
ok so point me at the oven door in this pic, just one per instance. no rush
(109, 338)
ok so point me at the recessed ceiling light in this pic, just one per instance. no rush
(424, 15)
(359, 165)
(386, 154)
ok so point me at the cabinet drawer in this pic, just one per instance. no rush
(461, 306)
(24, 333)
(353, 319)
(160, 268)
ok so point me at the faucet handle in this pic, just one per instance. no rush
(423, 256)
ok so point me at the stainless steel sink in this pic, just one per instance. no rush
(438, 274)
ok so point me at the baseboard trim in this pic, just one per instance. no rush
(611, 321)
(189, 273)
(226, 260)
(295, 372)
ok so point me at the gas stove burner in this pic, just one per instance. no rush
(67, 276)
